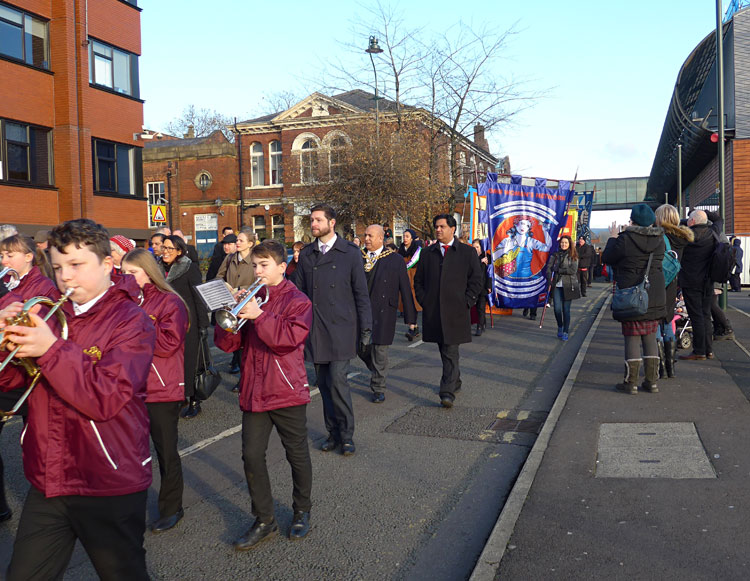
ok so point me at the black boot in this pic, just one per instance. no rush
(662, 357)
(192, 409)
(670, 347)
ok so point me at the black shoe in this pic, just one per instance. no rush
(378, 397)
(192, 410)
(257, 533)
(347, 448)
(236, 388)
(412, 334)
(446, 402)
(330, 444)
(525, 313)
(725, 336)
(167, 522)
(234, 369)
(300, 526)
(479, 331)
(6, 515)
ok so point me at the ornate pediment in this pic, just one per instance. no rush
(316, 105)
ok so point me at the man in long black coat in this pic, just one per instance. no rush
(386, 275)
(448, 281)
(331, 274)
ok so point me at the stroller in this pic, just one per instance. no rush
(683, 326)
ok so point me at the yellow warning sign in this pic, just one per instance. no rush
(159, 214)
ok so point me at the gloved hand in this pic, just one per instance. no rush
(365, 335)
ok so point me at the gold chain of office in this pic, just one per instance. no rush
(371, 262)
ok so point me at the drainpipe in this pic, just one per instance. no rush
(238, 137)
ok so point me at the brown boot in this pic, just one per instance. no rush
(651, 371)
(630, 381)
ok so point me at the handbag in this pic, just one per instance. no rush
(671, 264)
(631, 302)
(207, 377)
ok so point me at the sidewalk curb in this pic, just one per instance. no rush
(494, 549)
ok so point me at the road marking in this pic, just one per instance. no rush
(417, 344)
(738, 310)
(741, 346)
(231, 431)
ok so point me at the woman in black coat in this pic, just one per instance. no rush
(679, 237)
(565, 283)
(183, 274)
(629, 254)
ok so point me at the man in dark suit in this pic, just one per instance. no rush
(330, 273)
(448, 281)
(386, 275)
(219, 254)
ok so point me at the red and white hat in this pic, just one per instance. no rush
(124, 243)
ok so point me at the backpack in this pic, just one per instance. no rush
(722, 261)
(671, 264)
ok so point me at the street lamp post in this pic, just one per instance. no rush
(372, 49)
(720, 105)
(169, 194)
(679, 178)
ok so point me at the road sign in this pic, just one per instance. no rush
(159, 214)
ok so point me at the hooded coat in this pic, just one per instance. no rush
(679, 237)
(628, 255)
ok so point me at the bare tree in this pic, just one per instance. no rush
(277, 101)
(203, 121)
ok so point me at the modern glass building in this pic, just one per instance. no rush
(615, 193)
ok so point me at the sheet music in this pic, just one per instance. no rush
(216, 295)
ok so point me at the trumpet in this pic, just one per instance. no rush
(32, 369)
(14, 278)
(228, 319)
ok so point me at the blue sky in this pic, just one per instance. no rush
(607, 69)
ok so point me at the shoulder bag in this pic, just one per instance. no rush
(631, 302)
(670, 265)
(207, 377)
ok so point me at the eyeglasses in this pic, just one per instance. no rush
(168, 249)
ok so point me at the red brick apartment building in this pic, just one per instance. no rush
(71, 114)
(268, 177)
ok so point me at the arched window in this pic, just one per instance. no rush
(308, 162)
(256, 164)
(336, 156)
(275, 149)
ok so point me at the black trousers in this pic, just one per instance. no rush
(698, 303)
(720, 322)
(7, 400)
(481, 308)
(164, 417)
(734, 282)
(450, 382)
(335, 392)
(291, 425)
(110, 529)
(583, 281)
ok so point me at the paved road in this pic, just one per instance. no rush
(417, 501)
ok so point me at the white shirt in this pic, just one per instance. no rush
(375, 253)
(80, 309)
(328, 244)
(442, 250)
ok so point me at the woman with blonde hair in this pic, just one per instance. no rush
(679, 237)
(165, 389)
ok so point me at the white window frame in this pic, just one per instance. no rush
(257, 161)
(274, 164)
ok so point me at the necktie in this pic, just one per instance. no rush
(323, 248)
(445, 248)
(372, 255)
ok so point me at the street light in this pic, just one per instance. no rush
(372, 49)
(720, 105)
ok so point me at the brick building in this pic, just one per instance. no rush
(71, 114)
(269, 180)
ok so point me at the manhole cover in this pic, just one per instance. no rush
(509, 425)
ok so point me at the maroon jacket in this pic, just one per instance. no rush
(88, 431)
(166, 380)
(34, 284)
(273, 366)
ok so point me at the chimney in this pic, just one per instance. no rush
(479, 136)
(191, 132)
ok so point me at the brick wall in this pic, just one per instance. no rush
(741, 196)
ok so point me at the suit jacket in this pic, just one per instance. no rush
(388, 279)
(447, 288)
(335, 284)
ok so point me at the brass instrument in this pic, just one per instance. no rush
(28, 363)
(229, 320)
(14, 278)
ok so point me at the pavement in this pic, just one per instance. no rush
(646, 486)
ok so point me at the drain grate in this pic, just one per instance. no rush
(510, 425)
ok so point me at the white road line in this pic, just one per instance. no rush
(741, 346)
(417, 344)
(738, 310)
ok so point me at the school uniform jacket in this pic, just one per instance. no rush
(34, 284)
(273, 364)
(166, 378)
(87, 432)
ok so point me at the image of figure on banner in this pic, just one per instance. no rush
(523, 248)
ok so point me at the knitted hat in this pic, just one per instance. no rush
(412, 232)
(125, 244)
(642, 215)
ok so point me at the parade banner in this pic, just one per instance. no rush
(583, 203)
(524, 222)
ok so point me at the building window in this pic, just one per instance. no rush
(25, 153)
(277, 227)
(113, 68)
(257, 177)
(156, 197)
(114, 167)
(308, 162)
(24, 37)
(275, 149)
(259, 227)
(336, 157)
(203, 180)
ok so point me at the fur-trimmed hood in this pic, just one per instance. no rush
(180, 267)
(678, 232)
(645, 230)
